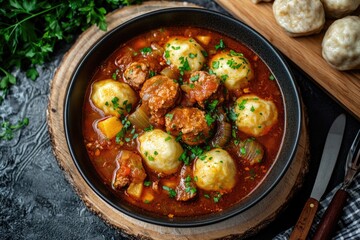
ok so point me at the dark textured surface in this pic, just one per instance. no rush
(36, 202)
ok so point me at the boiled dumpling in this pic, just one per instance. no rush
(339, 8)
(255, 116)
(160, 151)
(184, 53)
(113, 97)
(341, 44)
(233, 68)
(215, 171)
(299, 17)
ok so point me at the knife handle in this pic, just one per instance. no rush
(331, 216)
(305, 220)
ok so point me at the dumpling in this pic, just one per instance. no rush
(216, 171)
(339, 8)
(160, 151)
(341, 44)
(113, 97)
(299, 17)
(255, 116)
(184, 53)
(233, 68)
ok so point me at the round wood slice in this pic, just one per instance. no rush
(244, 224)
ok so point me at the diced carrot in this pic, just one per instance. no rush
(97, 152)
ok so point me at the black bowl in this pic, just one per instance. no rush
(181, 17)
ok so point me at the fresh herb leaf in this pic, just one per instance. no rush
(8, 129)
(172, 192)
(221, 45)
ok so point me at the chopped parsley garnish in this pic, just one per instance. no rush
(242, 150)
(235, 54)
(120, 135)
(185, 65)
(217, 198)
(271, 77)
(221, 45)
(209, 119)
(212, 106)
(185, 158)
(114, 75)
(215, 64)
(169, 115)
(149, 128)
(242, 104)
(204, 53)
(167, 54)
(147, 183)
(224, 77)
(151, 73)
(195, 78)
(146, 50)
(232, 115)
(233, 64)
(192, 55)
(172, 192)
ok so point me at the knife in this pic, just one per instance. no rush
(327, 163)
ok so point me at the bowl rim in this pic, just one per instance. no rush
(219, 217)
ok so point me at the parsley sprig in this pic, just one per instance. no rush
(8, 129)
(30, 31)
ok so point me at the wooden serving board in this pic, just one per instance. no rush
(304, 51)
(247, 223)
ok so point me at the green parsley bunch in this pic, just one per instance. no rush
(30, 30)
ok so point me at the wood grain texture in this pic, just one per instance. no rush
(303, 225)
(304, 51)
(247, 223)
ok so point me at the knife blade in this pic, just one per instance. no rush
(327, 163)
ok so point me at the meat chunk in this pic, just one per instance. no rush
(129, 170)
(201, 86)
(186, 189)
(136, 74)
(189, 123)
(160, 93)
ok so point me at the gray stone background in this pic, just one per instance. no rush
(36, 202)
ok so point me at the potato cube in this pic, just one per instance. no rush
(135, 190)
(110, 127)
(204, 39)
(148, 196)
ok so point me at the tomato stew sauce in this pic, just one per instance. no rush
(159, 190)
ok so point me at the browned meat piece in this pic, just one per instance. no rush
(200, 87)
(129, 170)
(186, 189)
(160, 93)
(124, 58)
(136, 74)
(190, 123)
